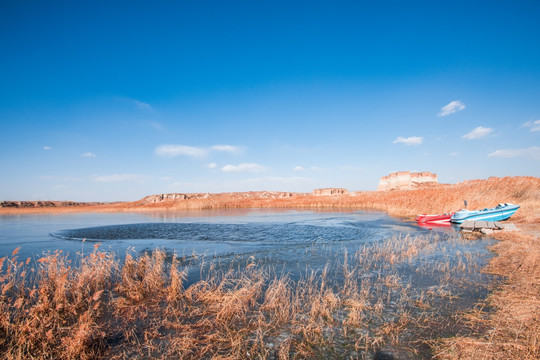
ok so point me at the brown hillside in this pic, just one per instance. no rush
(524, 191)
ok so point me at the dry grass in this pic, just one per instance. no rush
(144, 308)
(511, 330)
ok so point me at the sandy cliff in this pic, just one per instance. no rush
(330, 191)
(405, 180)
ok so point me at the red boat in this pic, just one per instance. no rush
(434, 219)
(431, 226)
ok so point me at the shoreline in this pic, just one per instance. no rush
(442, 198)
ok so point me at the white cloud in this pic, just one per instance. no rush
(478, 133)
(299, 168)
(211, 166)
(165, 178)
(176, 150)
(227, 148)
(243, 167)
(120, 178)
(47, 147)
(454, 154)
(451, 108)
(88, 155)
(533, 153)
(533, 125)
(412, 140)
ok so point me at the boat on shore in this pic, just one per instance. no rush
(497, 213)
(434, 219)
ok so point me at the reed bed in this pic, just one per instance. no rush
(360, 305)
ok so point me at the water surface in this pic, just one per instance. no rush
(209, 232)
(409, 272)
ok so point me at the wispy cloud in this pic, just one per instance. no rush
(47, 147)
(478, 133)
(454, 154)
(88, 155)
(273, 183)
(228, 148)
(177, 150)
(299, 168)
(172, 150)
(533, 125)
(532, 152)
(211, 166)
(156, 125)
(138, 103)
(60, 178)
(250, 167)
(351, 168)
(451, 108)
(412, 140)
(180, 186)
(141, 104)
(120, 178)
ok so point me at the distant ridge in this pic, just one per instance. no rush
(46, 203)
(174, 197)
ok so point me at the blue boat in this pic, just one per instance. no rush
(498, 213)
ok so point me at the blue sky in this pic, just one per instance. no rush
(107, 101)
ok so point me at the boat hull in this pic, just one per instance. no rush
(434, 219)
(498, 213)
(430, 226)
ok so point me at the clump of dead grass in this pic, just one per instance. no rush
(52, 310)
